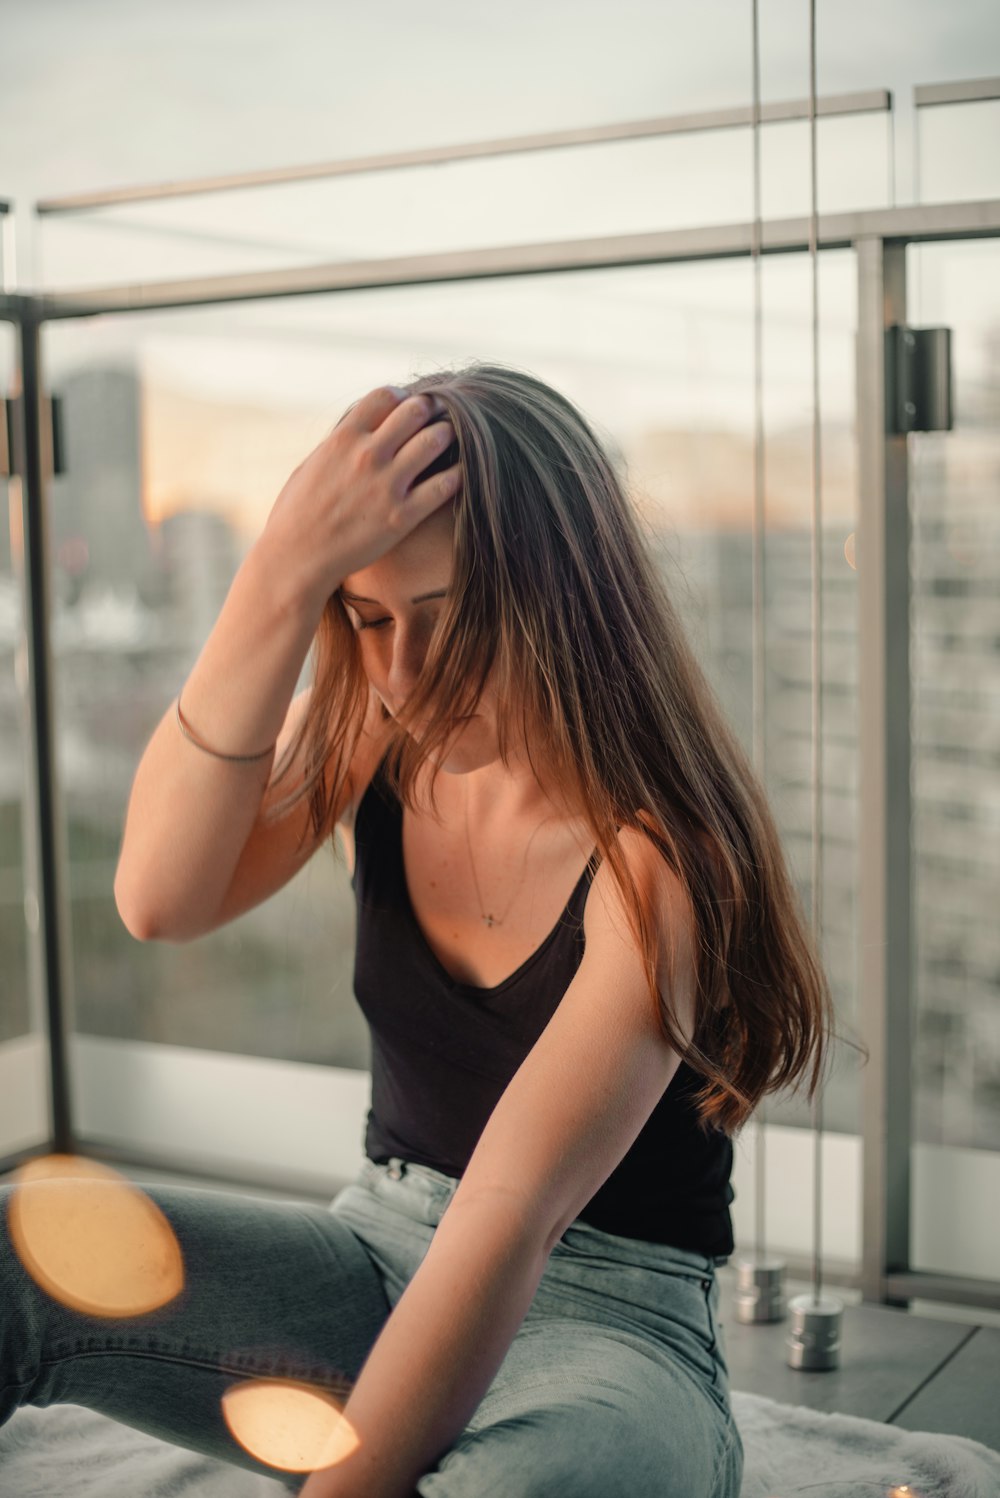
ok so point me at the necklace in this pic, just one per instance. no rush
(497, 920)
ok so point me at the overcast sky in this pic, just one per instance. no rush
(104, 93)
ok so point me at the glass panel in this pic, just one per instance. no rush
(958, 158)
(180, 429)
(787, 361)
(23, 1066)
(956, 774)
(616, 187)
(162, 492)
(13, 941)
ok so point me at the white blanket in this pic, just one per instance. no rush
(69, 1452)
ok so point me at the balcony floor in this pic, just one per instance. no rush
(936, 1372)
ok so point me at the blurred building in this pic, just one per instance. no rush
(98, 533)
(199, 554)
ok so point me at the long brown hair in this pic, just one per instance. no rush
(555, 587)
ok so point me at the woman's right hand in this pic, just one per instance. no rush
(350, 500)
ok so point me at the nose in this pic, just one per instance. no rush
(409, 650)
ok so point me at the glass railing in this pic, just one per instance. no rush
(696, 171)
(179, 430)
(24, 1113)
(956, 773)
(180, 427)
(957, 130)
(14, 1008)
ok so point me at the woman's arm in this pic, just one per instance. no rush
(190, 814)
(438, 1352)
(566, 1119)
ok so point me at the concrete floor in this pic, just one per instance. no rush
(938, 1371)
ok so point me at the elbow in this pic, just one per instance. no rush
(145, 924)
(139, 918)
(137, 922)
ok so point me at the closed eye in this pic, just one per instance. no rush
(375, 624)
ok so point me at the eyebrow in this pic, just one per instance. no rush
(420, 598)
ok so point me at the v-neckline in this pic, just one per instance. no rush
(473, 988)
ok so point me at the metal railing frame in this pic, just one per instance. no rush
(968, 91)
(870, 101)
(885, 937)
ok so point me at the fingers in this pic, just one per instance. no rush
(392, 413)
(423, 499)
(407, 434)
(371, 410)
(429, 452)
(412, 437)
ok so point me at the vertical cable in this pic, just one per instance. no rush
(817, 638)
(759, 743)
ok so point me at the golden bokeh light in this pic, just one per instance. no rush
(288, 1425)
(91, 1239)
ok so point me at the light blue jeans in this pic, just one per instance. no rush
(615, 1385)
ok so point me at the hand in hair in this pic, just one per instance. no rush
(355, 497)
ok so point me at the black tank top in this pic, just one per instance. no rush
(442, 1053)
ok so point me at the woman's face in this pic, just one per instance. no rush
(394, 606)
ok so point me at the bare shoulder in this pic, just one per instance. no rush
(606, 925)
(651, 873)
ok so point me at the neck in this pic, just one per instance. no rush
(494, 796)
(473, 785)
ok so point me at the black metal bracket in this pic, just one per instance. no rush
(10, 463)
(919, 377)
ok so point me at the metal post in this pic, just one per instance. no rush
(885, 961)
(51, 861)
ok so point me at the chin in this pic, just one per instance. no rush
(464, 764)
(463, 752)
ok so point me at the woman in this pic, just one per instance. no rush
(579, 952)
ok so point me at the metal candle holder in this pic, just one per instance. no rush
(813, 1341)
(760, 1290)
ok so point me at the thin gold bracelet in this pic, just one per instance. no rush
(239, 758)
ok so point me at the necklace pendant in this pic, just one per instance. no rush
(489, 920)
